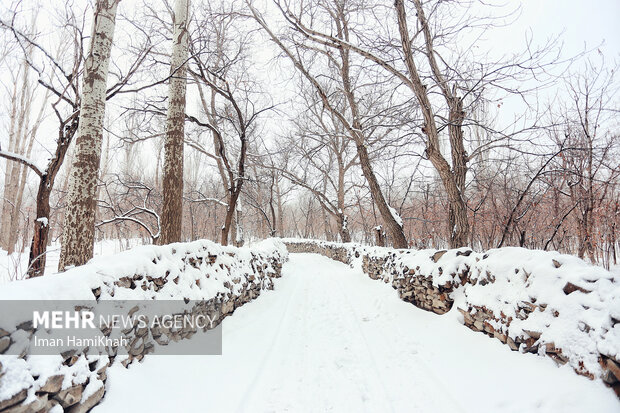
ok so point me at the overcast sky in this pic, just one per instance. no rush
(583, 22)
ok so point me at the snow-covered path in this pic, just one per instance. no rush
(329, 339)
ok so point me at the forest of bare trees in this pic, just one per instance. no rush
(389, 123)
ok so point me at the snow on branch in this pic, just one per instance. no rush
(21, 159)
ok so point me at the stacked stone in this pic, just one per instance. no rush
(420, 291)
(73, 399)
(142, 340)
(481, 319)
(329, 250)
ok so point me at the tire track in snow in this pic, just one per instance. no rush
(269, 354)
(356, 322)
(441, 400)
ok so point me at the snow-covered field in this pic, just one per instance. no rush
(328, 338)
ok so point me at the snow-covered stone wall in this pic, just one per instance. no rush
(219, 279)
(533, 301)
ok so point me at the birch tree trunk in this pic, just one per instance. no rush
(172, 214)
(32, 133)
(79, 228)
(18, 135)
(7, 203)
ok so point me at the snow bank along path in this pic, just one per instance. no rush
(219, 279)
(330, 339)
(533, 301)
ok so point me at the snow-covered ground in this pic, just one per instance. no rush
(13, 267)
(328, 338)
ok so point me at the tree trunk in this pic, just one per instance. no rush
(79, 228)
(453, 180)
(230, 211)
(10, 186)
(343, 228)
(9, 213)
(396, 231)
(23, 174)
(280, 225)
(38, 246)
(40, 237)
(172, 214)
(379, 236)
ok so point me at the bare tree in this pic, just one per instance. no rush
(585, 125)
(63, 84)
(233, 104)
(319, 156)
(352, 120)
(447, 84)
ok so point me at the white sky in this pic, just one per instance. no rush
(584, 22)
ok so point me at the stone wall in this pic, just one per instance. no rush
(385, 264)
(537, 302)
(75, 380)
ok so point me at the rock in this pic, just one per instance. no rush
(70, 396)
(67, 354)
(124, 282)
(511, 343)
(488, 328)
(4, 333)
(405, 295)
(608, 377)
(558, 358)
(142, 331)
(614, 368)
(437, 256)
(227, 307)
(550, 348)
(72, 360)
(53, 384)
(137, 346)
(464, 253)
(500, 336)
(13, 400)
(40, 404)
(438, 303)
(5, 342)
(533, 334)
(571, 288)
(89, 403)
(556, 263)
(26, 326)
(467, 318)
